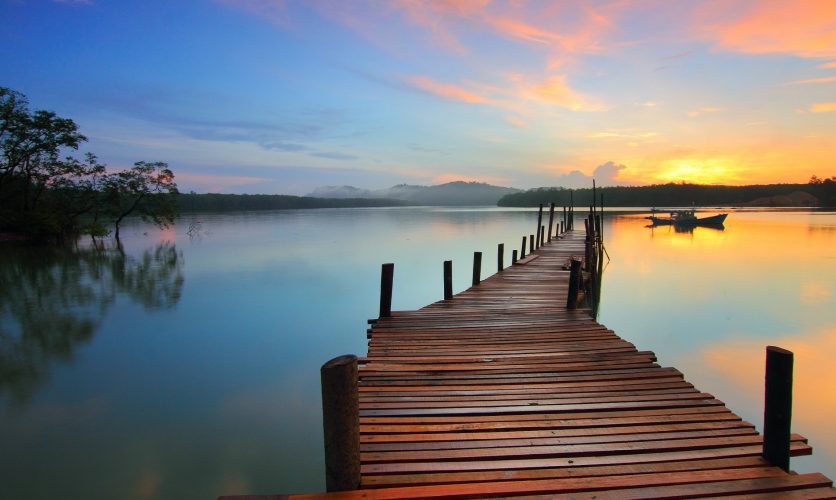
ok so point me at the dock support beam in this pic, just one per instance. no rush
(513, 257)
(477, 268)
(539, 225)
(777, 413)
(500, 257)
(522, 250)
(387, 273)
(341, 423)
(448, 279)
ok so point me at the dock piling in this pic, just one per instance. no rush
(551, 221)
(513, 257)
(777, 413)
(341, 423)
(522, 250)
(539, 225)
(448, 279)
(500, 257)
(530, 243)
(574, 281)
(387, 272)
(477, 268)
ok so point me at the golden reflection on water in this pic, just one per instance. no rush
(741, 363)
(709, 301)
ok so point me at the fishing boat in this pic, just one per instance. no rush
(686, 218)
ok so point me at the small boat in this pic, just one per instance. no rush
(687, 218)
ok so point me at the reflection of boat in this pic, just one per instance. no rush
(687, 218)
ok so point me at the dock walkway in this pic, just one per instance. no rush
(503, 391)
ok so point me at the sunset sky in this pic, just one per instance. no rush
(272, 96)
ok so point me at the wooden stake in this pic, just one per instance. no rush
(574, 280)
(477, 268)
(500, 257)
(448, 279)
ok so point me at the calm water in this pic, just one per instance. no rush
(187, 365)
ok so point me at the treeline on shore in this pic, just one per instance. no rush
(232, 202)
(818, 192)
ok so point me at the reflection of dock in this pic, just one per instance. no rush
(502, 390)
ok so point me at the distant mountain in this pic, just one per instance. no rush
(451, 193)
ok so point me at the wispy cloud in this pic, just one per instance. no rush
(556, 90)
(606, 174)
(697, 112)
(333, 155)
(803, 28)
(823, 107)
(826, 79)
(829, 65)
(446, 90)
(621, 134)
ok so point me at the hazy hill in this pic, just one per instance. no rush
(452, 193)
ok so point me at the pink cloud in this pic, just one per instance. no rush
(802, 27)
(830, 65)
(446, 90)
(827, 79)
(217, 183)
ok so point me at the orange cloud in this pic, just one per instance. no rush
(557, 91)
(823, 107)
(446, 90)
(830, 65)
(802, 27)
(701, 111)
(827, 79)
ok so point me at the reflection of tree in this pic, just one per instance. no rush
(53, 299)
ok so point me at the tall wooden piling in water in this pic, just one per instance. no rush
(341, 423)
(777, 414)
(448, 279)
(387, 272)
(477, 268)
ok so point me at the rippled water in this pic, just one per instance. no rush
(186, 365)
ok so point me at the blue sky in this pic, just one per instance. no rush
(269, 96)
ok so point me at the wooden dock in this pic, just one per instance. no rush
(502, 391)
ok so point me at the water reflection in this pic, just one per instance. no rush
(740, 362)
(52, 300)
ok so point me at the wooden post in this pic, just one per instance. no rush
(341, 423)
(522, 250)
(562, 229)
(551, 221)
(448, 279)
(574, 280)
(477, 268)
(387, 273)
(777, 413)
(513, 257)
(530, 243)
(542, 235)
(500, 257)
(539, 224)
(564, 220)
(587, 246)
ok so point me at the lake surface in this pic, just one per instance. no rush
(187, 366)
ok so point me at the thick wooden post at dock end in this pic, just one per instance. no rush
(542, 236)
(777, 412)
(574, 282)
(513, 257)
(387, 272)
(448, 279)
(539, 224)
(530, 243)
(477, 268)
(500, 257)
(522, 250)
(341, 423)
